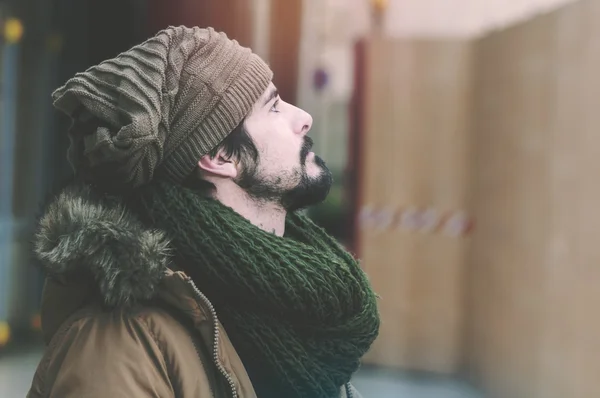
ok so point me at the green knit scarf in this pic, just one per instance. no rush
(299, 309)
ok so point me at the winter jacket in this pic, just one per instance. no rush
(117, 321)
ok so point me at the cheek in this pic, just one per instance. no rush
(281, 144)
(280, 155)
(278, 147)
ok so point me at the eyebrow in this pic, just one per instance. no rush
(272, 95)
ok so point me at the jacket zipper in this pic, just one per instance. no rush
(349, 392)
(216, 338)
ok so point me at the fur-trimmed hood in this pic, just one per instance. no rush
(82, 232)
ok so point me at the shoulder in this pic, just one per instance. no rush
(136, 332)
(118, 347)
(141, 324)
(145, 343)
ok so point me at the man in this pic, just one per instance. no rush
(177, 263)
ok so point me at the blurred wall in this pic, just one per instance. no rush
(411, 159)
(533, 269)
(503, 126)
(329, 31)
(331, 27)
(459, 18)
(231, 16)
(284, 43)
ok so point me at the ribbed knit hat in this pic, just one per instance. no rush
(160, 106)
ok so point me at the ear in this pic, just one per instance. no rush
(218, 166)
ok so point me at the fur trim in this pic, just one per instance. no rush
(80, 231)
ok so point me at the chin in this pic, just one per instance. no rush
(312, 189)
(313, 171)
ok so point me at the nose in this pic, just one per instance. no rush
(305, 122)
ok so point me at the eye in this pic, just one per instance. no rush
(275, 106)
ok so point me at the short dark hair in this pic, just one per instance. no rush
(237, 146)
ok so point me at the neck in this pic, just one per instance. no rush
(267, 216)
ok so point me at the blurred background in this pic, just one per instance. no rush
(463, 137)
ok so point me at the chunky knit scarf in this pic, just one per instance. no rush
(298, 308)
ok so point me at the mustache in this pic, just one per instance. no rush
(306, 147)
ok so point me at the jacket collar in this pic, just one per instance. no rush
(82, 232)
(91, 247)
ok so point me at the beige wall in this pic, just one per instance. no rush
(331, 27)
(517, 109)
(413, 153)
(534, 273)
(460, 18)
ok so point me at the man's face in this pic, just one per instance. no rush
(287, 171)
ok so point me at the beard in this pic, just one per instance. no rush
(307, 191)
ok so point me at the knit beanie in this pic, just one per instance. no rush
(157, 108)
